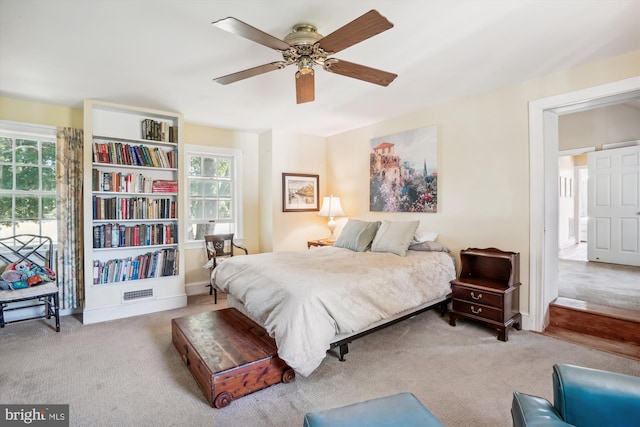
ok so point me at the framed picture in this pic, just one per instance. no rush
(300, 192)
(403, 176)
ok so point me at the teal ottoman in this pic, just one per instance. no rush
(402, 409)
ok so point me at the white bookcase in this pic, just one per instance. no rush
(133, 257)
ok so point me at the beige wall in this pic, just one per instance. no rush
(19, 110)
(292, 153)
(483, 161)
(592, 128)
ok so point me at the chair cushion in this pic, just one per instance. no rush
(402, 409)
(534, 411)
(29, 293)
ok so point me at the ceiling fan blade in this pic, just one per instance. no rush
(241, 75)
(361, 72)
(241, 29)
(368, 25)
(305, 88)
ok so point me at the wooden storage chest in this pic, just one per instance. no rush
(228, 354)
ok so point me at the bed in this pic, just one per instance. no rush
(314, 300)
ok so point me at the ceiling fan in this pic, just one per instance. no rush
(305, 47)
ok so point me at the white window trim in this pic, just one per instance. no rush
(191, 149)
(15, 130)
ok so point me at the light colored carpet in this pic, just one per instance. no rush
(601, 283)
(127, 373)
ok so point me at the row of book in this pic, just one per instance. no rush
(164, 186)
(160, 263)
(134, 155)
(133, 208)
(122, 236)
(159, 131)
(130, 183)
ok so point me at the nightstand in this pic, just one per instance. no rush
(317, 243)
(488, 290)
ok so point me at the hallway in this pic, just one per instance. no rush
(601, 283)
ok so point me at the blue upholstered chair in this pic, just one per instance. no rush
(402, 409)
(582, 397)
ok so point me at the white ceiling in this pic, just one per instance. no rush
(164, 54)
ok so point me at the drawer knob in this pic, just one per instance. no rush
(473, 296)
(476, 311)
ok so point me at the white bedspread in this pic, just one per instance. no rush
(304, 298)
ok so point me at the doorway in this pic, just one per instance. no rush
(572, 205)
(543, 119)
(597, 266)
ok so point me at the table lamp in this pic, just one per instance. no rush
(331, 208)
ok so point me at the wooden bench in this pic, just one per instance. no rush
(228, 354)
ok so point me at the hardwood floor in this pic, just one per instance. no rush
(609, 329)
(598, 304)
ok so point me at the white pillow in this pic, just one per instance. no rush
(424, 236)
(394, 237)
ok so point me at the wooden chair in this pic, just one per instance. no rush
(35, 250)
(219, 246)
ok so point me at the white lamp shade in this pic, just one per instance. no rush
(331, 207)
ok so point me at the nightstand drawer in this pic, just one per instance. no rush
(478, 310)
(478, 296)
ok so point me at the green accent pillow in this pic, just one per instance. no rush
(394, 237)
(357, 235)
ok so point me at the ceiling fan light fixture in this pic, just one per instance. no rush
(305, 48)
(305, 65)
(303, 34)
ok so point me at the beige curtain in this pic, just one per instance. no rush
(69, 175)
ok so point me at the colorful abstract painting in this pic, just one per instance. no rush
(403, 172)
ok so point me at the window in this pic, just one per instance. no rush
(213, 191)
(27, 179)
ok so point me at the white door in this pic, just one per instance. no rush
(614, 206)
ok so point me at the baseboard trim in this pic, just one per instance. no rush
(131, 309)
(196, 288)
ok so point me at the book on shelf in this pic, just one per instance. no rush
(107, 235)
(164, 186)
(119, 235)
(117, 208)
(160, 263)
(154, 130)
(134, 155)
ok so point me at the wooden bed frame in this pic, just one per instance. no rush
(341, 341)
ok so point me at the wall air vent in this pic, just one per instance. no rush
(139, 294)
